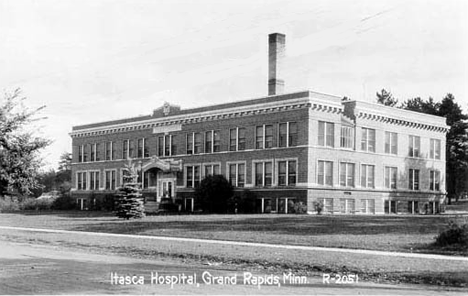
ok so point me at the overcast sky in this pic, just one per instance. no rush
(90, 61)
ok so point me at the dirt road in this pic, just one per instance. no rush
(28, 268)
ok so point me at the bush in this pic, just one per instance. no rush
(8, 204)
(213, 194)
(32, 204)
(456, 233)
(318, 207)
(64, 202)
(297, 207)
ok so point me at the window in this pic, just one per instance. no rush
(131, 148)
(125, 149)
(367, 176)
(292, 139)
(93, 152)
(326, 134)
(241, 138)
(216, 141)
(368, 139)
(113, 152)
(145, 148)
(264, 136)
(85, 153)
(81, 181)
(347, 137)
(212, 169)
(268, 136)
(434, 184)
(391, 143)
(208, 141)
(347, 205)
(161, 146)
(414, 146)
(283, 135)
(198, 143)
(212, 141)
(190, 143)
(391, 177)
(124, 176)
(263, 174)
(85, 183)
(108, 147)
(325, 173)
(237, 174)
(140, 148)
(434, 149)
(94, 180)
(413, 207)
(287, 173)
(327, 204)
(237, 139)
(413, 179)
(347, 174)
(233, 139)
(167, 145)
(367, 206)
(259, 137)
(98, 152)
(193, 176)
(110, 180)
(174, 145)
(80, 153)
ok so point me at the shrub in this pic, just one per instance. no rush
(64, 202)
(456, 233)
(297, 207)
(33, 204)
(214, 193)
(318, 207)
(8, 204)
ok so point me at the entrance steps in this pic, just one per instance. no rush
(151, 206)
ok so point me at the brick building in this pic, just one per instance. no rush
(286, 148)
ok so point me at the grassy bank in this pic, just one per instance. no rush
(386, 233)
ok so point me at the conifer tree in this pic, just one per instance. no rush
(129, 201)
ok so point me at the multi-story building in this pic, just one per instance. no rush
(300, 147)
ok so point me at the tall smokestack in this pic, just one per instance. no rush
(276, 48)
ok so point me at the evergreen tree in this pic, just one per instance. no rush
(129, 201)
(386, 98)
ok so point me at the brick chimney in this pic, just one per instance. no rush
(276, 48)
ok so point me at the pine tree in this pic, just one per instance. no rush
(129, 201)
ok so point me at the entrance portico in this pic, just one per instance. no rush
(160, 177)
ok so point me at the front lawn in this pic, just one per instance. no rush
(388, 233)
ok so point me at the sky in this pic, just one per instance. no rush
(92, 61)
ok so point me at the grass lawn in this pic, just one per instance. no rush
(388, 233)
